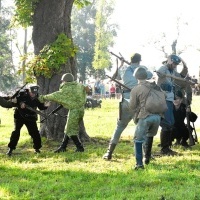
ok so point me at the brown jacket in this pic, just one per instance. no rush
(138, 97)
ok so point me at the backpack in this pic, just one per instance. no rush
(155, 102)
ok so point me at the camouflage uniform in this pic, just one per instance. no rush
(72, 96)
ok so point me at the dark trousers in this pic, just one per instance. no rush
(32, 130)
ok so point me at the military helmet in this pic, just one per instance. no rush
(68, 77)
(140, 73)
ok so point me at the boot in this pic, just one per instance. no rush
(178, 142)
(108, 154)
(63, 146)
(138, 155)
(165, 143)
(148, 147)
(37, 151)
(79, 146)
(9, 152)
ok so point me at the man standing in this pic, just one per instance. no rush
(72, 96)
(167, 84)
(126, 75)
(148, 123)
(24, 116)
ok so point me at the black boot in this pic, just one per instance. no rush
(63, 146)
(108, 154)
(9, 152)
(165, 138)
(79, 146)
(147, 150)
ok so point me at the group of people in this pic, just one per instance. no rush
(71, 95)
(133, 101)
(136, 80)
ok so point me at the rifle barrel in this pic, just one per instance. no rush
(119, 83)
(177, 78)
(120, 58)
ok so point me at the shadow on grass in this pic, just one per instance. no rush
(79, 184)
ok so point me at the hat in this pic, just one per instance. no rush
(192, 117)
(135, 58)
(140, 73)
(175, 59)
(34, 89)
(67, 77)
(178, 94)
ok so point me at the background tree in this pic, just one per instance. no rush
(167, 42)
(88, 24)
(83, 29)
(8, 75)
(53, 48)
(104, 34)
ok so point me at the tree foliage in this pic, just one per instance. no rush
(51, 57)
(104, 34)
(83, 32)
(7, 70)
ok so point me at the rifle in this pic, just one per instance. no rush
(17, 92)
(192, 138)
(195, 134)
(121, 84)
(177, 78)
(120, 58)
(36, 111)
(52, 112)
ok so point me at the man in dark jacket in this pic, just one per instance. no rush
(24, 116)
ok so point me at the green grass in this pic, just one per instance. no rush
(86, 176)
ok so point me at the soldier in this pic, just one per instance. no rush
(126, 75)
(24, 116)
(72, 96)
(167, 84)
(148, 123)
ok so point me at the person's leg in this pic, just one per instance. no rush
(35, 135)
(167, 124)
(63, 146)
(126, 117)
(153, 122)
(139, 139)
(72, 127)
(18, 123)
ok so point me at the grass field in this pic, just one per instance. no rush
(86, 176)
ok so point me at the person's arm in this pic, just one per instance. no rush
(133, 99)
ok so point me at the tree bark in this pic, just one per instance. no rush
(50, 19)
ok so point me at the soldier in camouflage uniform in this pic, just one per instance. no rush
(72, 96)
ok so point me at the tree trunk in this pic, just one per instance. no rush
(50, 19)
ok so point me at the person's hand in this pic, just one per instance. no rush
(47, 103)
(22, 105)
(122, 62)
(14, 100)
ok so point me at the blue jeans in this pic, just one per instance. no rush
(168, 121)
(126, 116)
(147, 127)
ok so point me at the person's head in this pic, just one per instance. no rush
(68, 77)
(33, 90)
(173, 61)
(178, 98)
(136, 58)
(140, 73)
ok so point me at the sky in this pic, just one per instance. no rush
(145, 20)
(141, 21)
